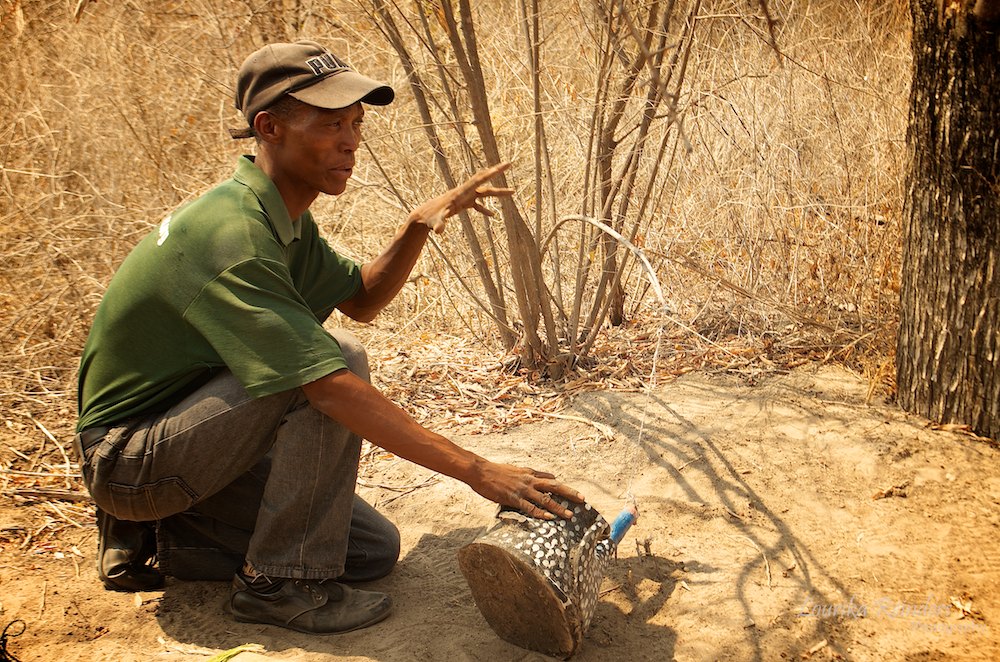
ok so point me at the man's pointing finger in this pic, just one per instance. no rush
(492, 190)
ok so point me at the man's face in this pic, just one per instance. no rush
(318, 146)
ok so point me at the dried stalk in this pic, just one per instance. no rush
(529, 281)
(497, 308)
(617, 168)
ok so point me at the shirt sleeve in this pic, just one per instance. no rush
(263, 329)
(324, 278)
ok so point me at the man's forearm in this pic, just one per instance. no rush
(357, 405)
(354, 403)
(383, 277)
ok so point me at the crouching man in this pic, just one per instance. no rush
(220, 423)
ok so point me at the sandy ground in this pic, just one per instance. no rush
(760, 538)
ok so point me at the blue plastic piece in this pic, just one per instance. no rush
(622, 524)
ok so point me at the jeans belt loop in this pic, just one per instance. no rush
(87, 439)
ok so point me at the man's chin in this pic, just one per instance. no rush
(335, 189)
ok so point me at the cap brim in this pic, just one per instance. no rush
(345, 89)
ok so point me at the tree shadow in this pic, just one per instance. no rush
(681, 449)
(622, 628)
(435, 616)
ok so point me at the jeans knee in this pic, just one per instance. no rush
(390, 551)
(354, 352)
(373, 554)
(382, 558)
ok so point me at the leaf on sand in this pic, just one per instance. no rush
(233, 652)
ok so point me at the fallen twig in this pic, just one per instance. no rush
(43, 493)
(429, 481)
(41, 606)
(767, 566)
(689, 462)
(815, 649)
(53, 507)
(55, 441)
(609, 590)
(606, 430)
(401, 488)
(41, 474)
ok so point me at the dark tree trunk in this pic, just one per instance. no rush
(947, 353)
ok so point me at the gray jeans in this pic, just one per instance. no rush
(227, 476)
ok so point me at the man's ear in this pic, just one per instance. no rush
(267, 127)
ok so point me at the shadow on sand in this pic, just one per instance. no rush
(434, 618)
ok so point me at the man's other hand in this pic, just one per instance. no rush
(527, 490)
(433, 213)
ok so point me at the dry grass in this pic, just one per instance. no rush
(776, 236)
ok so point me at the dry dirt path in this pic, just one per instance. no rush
(759, 538)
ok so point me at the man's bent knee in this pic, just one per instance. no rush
(373, 547)
(354, 352)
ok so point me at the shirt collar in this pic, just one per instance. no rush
(248, 174)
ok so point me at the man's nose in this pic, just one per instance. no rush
(350, 141)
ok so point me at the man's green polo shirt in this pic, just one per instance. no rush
(227, 281)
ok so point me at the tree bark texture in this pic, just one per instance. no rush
(947, 353)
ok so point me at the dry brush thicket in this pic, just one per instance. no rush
(775, 225)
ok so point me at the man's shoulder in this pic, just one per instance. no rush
(225, 208)
(228, 198)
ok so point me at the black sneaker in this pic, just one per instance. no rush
(307, 605)
(126, 553)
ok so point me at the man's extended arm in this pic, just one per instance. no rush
(353, 402)
(383, 277)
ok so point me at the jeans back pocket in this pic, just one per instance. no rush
(151, 501)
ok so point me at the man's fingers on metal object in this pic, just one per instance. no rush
(565, 491)
(533, 510)
(553, 506)
(543, 513)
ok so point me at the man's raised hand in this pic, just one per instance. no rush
(467, 195)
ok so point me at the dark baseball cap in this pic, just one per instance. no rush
(306, 71)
